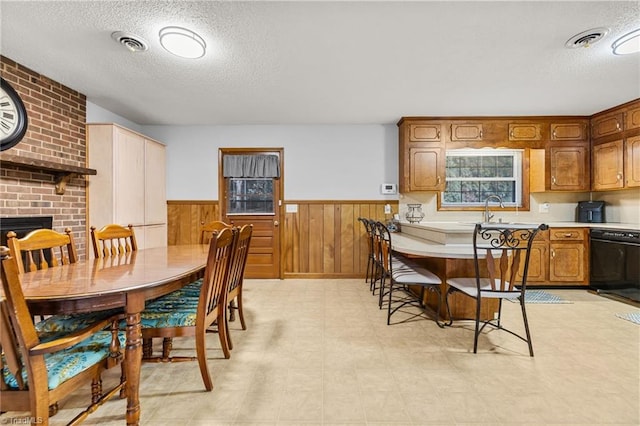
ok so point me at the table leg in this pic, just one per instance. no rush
(133, 357)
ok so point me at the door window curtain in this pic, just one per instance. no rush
(251, 166)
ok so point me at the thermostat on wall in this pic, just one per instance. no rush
(388, 188)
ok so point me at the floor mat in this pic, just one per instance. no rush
(539, 296)
(634, 317)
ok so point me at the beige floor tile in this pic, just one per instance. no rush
(319, 352)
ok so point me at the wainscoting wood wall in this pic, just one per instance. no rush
(184, 219)
(322, 239)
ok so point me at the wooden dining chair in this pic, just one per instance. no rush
(40, 368)
(207, 229)
(112, 240)
(191, 310)
(502, 250)
(42, 249)
(236, 278)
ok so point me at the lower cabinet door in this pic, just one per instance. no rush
(537, 272)
(566, 262)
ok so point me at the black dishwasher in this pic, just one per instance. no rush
(615, 263)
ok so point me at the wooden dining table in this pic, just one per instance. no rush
(125, 281)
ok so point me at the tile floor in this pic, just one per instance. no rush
(320, 352)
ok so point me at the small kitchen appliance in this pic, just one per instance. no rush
(590, 212)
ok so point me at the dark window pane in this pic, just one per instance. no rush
(250, 196)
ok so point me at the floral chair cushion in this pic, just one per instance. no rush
(68, 323)
(63, 365)
(176, 309)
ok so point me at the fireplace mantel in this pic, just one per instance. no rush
(62, 172)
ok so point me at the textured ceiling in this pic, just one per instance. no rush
(330, 62)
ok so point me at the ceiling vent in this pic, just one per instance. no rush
(132, 42)
(586, 38)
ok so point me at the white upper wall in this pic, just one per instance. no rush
(321, 162)
(97, 114)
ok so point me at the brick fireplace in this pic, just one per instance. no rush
(56, 134)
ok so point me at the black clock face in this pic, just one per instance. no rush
(13, 117)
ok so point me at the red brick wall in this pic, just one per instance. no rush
(56, 132)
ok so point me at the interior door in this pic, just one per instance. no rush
(255, 200)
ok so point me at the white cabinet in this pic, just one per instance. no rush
(130, 186)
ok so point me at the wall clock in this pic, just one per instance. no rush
(13, 117)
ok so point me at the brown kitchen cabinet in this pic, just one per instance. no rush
(426, 169)
(429, 132)
(632, 117)
(568, 255)
(632, 162)
(467, 132)
(559, 256)
(608, 165)
(608, 124)
(525, 131)
(569, 132)
(569, 168)
(538, 259)
(422, 155)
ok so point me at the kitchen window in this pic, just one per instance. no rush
(474, 174)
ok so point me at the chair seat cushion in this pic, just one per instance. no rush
(67, 323)
(176, 309)
(469, 287)
(404, 271)
(167, 316)
(63, 365)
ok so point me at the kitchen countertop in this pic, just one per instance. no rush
(453, 239)
(408, 244)
(463, 226)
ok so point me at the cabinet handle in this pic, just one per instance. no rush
(553, 135)
(438, 135)
(553, 253)
(553, 180)
(438, 180)
(619, 177)
(511, 134)
(480, 134)
(568, 235)
(617, 124)
(276, 223)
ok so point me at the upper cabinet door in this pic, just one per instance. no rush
(632, 164)
(426, 170)
(607, 125)
(425, 132)
(467, 132)
(569, 168)
(608, 166)
(569, 132)
(633, 118)
(525, 132)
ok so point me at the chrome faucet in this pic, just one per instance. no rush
(487, 213)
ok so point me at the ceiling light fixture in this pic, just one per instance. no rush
(628, 43)
(182, 42)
